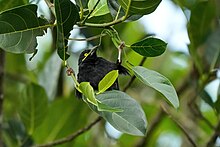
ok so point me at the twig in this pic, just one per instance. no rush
(72, 136)
(88, 39)
(154, 124)
(2, 62)
(133, 77)
(213, 138)
(181, 127)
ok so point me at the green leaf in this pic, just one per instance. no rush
(149, 47)
(101, 8)
(141, 7)
(107, 81)
(34, 106)
(114, 8)
(199, 28)
(62, 113)
(158, 82)
(6, 4)
(132, 120)
(67, 15)
(19, 28)
(88, 92)
(103, 107)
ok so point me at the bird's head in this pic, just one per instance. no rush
(87, 55)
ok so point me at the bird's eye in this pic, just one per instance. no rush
(86, 54)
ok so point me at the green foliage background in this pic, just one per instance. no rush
(64, 114)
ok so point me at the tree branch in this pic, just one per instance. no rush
(72, 136)
(133, 77)
(154, 124)
(214, 136)
(181, 127)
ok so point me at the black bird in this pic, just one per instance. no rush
(93, 68)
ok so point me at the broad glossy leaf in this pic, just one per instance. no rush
(141, 7)
(158, 82)
(149, 47)
(34, 106)
(19, 28)
(101, 8)
(107, 81)
(114, 7)
(67, 15)
(88, 92)
(132, 120)
(103, 107)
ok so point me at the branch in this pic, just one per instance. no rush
(72, 136)
(181, 127)
(213, 138)
(133, 77)
(2, 62)
(154, 124)
(87, 39)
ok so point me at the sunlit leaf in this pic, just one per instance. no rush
(67, 15)
(132, 120)
(158, 82)
(19, 28)
(107, 81)
(88, 92)
(149, 47)
(141, 7)
(101, 8)
(34, 106)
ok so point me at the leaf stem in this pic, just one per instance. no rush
(96, 4)
(88, 39)
(108, 24)
(72, 136)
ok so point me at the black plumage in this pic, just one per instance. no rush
(93, 68)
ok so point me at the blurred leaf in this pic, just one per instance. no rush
(88, 92)
(132, 120)
(48, 77)
(107, 81)
(101, 8)
(33, 106)
(149, 47)
(158, 82)
(201, 24)
(19, 28)
(65, 115)
(207, 98)
(82, 3)
(114, 7)
(14, 134)
(141, 7)
(212, 51)
(67, 15)
(7, 4)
